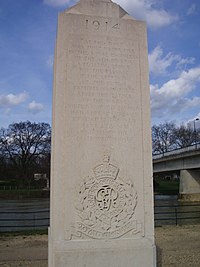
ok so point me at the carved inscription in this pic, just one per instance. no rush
(103, 99)
(105, 205)
(105, 25)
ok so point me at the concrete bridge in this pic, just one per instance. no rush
(186, 163)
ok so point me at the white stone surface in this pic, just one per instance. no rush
(101, 176)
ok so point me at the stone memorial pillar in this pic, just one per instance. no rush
(101, 176)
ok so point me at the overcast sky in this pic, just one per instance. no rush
(27, 37)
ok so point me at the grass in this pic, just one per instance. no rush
(23, 193)
(166, 187)
(24, 233)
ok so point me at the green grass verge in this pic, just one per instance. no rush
(24, 233)
(23, 194)
(167, 187)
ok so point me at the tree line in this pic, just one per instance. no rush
(168, 136)
(25, 147)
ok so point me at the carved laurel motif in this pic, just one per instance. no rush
(105, 204)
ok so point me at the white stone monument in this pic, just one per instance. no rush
(101, 176)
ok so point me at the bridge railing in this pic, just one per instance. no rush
(177, 151)
(164, 215)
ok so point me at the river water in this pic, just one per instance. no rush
(33, 214)
(29, 214)
(168, 210)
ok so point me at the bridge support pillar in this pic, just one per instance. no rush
(189, 189)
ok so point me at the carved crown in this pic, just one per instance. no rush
(106, 170)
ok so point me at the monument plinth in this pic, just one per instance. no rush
(101, 175)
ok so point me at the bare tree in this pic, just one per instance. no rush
(198, 135)
(23, 144)
(184, 136)
(162, 137)
(168, 136)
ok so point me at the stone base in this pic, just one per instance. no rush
(115, 253)
(189, 197)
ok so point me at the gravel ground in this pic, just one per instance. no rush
(176, 246)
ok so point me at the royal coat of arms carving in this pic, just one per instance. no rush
(106, 204)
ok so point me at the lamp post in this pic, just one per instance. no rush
(195, 132)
